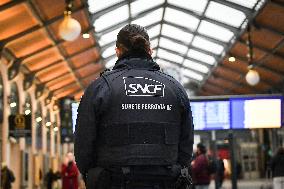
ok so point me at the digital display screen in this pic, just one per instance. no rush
(211, 115)
(74, 107)
(256, 113)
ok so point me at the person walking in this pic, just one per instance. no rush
(7, 177)
(200, 168)
(69, 173)
(134, 127)
(277, 168)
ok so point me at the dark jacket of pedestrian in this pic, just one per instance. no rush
(7, 177)
(277, 163)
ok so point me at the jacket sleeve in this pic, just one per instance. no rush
(186, 136)
(89, 111)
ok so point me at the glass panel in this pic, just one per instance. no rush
(154, 43)
(196, 66)
(14, 99)
(109, 51)
(225, 14)
(108, 37)
(150, 18)
(141, 5)
(111, 18)
(194, 5)
(176, 33)
(154, 31)
(181, 18)
(163, 63)
(97, 5)
(207, 45)
(169, 56)
(192, 74)
(215, 31)
(246, 3)
(201, 56)
(172, 45)
(110, 63)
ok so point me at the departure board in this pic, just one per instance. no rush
(211, 115)
(256, 113)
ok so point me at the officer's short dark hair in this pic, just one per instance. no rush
(133, 39)
(201, 147)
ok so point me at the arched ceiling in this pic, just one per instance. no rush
(191, 40)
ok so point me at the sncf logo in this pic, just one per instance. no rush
(141, 86)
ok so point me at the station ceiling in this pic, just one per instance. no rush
(191, 40)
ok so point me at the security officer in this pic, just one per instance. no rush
(134, 127)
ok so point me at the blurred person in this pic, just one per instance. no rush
(69, 173)
(7, 177)
(134, 127)
(49, 178)
(220, 172)
(200, 168)
(277, 168)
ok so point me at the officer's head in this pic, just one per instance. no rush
(133, 39)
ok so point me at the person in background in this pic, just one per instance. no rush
(7, 177)
(49, 178)
(220, 172)
(277, 167)
(200, 169)
(69, 173)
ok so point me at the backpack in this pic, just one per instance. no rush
(212, 165)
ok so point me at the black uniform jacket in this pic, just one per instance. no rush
(94, 104)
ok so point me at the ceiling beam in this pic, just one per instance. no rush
(58, 77)
(5, 41)
(257, 64)
(36, 14)
(242, 75)
(264, 49)
(10, 4)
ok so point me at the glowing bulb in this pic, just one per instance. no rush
(252, 77)
(55, 129)
(27, 112)
(48, 123)
(86, 36)
(38, 119)
(13, 104)
(232, 59)
(69, 29)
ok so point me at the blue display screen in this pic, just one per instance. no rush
(254, 113)
(211, 115)
(238, 113)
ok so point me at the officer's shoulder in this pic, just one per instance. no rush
(107, 73)
(171, 79)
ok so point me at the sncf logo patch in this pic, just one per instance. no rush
(142, 86)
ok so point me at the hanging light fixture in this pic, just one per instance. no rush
(252, 77)
(69, 29)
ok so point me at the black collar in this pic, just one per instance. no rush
(136, 62)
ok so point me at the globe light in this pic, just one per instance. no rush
(252, 77)
(232, 59)
(69, 29)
